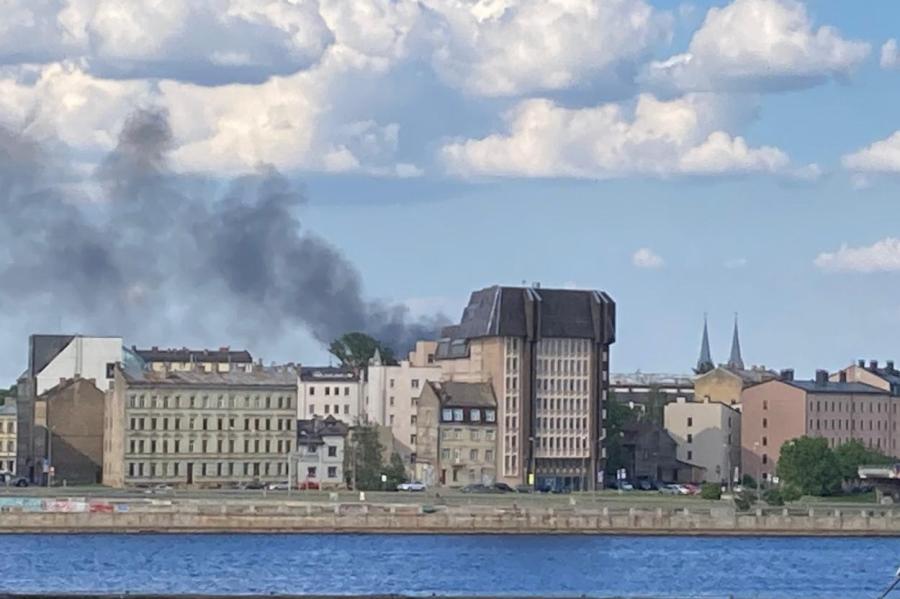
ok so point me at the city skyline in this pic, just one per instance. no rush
(685, 168)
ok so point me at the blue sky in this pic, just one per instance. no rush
(686, 158)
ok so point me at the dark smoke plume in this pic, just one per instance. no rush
(167, 257)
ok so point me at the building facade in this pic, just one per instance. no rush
(223, 359)
(8, 437)
(650, 452)
(545, 353)
(708, 434)
(392, 394)
(650, 392)
(778, 411)
(457, 433)
(52, 358)
(319, 457)
(885, 376)
(69, 425)
(200, 428)
(324, 391)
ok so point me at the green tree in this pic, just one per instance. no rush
(617, 416)
(810, 465)
(396, 472)
(853, 454)
(363, 462)
(7, 394)
(711, 491)
(354, 350)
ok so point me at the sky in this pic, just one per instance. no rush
(688, 158)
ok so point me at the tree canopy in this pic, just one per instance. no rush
(7, 393)
(365, 457)
(354, 350)
(853, 454)
(618, 415)
(810, 465)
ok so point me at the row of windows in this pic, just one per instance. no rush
(456, 454)
(202, 402)
(331, 450)
(210, 424)
(850, 425)
(9, 427)
(10, 446)
(220, 446)
(563, 367)
(207, 469)
(327, 408)
(847, 407)
(328, 390)
(474, 415)
(580, 385)
(414, 383)
(510, 465)
(564, 347)
(562, 443)
(458, 434)
(562, 423)
(565, 404)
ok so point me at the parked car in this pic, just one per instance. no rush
(255, 485)
(308, 485)
(412, 487)
(282, 486)
(646, 485)
(479, 488)
(692, 489)
(11, 480)
(160, 489)
(524, 489)
(670, 490)
(504, 488)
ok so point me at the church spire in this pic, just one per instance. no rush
(705, 362)
(735, 361)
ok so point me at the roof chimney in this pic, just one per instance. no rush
(843, 376)
(787, 374)
(873, 364)
(861, 363)
(889, 365)
(821, 378)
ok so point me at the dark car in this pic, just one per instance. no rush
(11, 480)
(504, 488)
(479, 488)
(524, 489)
(645, 485)
(255, 485)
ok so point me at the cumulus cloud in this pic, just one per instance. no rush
(759, 45)
(880, 157)
(507, 47)
(890, 56)
(685, 136)
(882, 256)
(647, 258)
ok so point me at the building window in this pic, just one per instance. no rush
(765, 441)
(327, 407)
(332, 451)
(312, 390)
(346, 408)
(458, 414)
(475, 415)
(391, 383)
(690, 438)
(765, 459)
(690, 455)
(690, 421)
(412, 441)
(327, 390)
(447, 415)
(415, 383)
(332, 472)
(311, 472)
(473, 455)
(490, 416)
(765, 423)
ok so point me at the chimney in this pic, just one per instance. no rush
(873, 364)
(821, 378)
(787, 374)
(843, 376)
(861, 363)
(889, 365)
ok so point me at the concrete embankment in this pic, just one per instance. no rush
(296, 517)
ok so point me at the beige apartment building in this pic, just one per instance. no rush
(223, 359)
(324, 391)
(457, 432)
(199, 428)
(319, 457)
(778, 411)
(392, 394)
(885, 377)
(545, 353)
(708, 434)
(8, 437)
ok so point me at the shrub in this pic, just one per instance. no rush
(774, 497)
(790, 493)
(741, 503)
(748, 481)
(711, 491)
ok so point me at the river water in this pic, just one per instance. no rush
(676, 567)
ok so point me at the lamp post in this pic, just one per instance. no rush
(759, 467)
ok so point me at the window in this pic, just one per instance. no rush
(332, 472)
(312, 390)
(346, 391)
(337, 409)
(765, 459)
(765, 441)
(415, 383)
(490, 416)
(311, 472)
(391, 401)
(412, 420)
(690, 421)
(447, 415)
(392, 420)
(412, 441)
(327, 407)
(391, 383)
(690, 455)
(475, 415)
(765, 423)
(765, 404)
(488, 455)
(346, 408)
(445, 454)
(458, 414)
(327, 390)
(332, 451)
(690, 438)
(312, 409)
(473, 455)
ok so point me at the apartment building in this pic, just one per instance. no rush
(708, 435)
(52, 358)
(777, 411)
(457, 432)
(650, 392)
(885, 377)
(319, 457)
(223, 359)
(392, 394)
(324, 391)
(199, 428)
(545, 353)
(71, 417)
(8, 437)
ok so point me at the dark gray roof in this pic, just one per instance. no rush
(327, 373)
(535, 313)
(835, 387)
(260, 377)
(8, 409)
(43, 348)
(222, 355)
(475, 395)
(314, 431)
(892, 375)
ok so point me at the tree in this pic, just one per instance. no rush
(354, 350)
(853, 454)
(7, 394)
(810, 465)
(617, 416)
(363, 461)
(711, 491)
(396, 472)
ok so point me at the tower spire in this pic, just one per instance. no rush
(735, 360)
(705, 362)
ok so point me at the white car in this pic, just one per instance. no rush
(411, 487)
(278, 486)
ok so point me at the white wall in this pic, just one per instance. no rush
(312, 400)
(391, 396)
(712, 440)
(84, 356)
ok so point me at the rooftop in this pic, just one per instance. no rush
(221, 355)
(314, 431)
(475, 395)
(327, 373)
(835, 387)
(258, 377)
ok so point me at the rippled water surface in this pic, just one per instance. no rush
(776, 568)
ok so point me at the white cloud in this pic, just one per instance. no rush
(735, 263)
(890, 56)
(512, 47)
(883, 256)
(646, 258)
(759, 45)
(880, 157)
(685, 136)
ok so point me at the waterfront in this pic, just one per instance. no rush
(743, 568)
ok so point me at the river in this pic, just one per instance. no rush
(664, 567)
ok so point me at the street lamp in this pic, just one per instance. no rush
(759, 467)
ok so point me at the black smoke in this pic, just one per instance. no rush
(151, 253)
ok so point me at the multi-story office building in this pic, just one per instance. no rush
(392, 394)
(778, 411)
(457, 432)
(8, 437)
(52, 358)
(319, 458)
(199, 428)
(708, 434)
(324, 391)
(545, 353)
(223, 359)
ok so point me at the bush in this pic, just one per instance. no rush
(791, 493)
(774, 497)
(741, 503)
(748, 481)
(711, 491)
